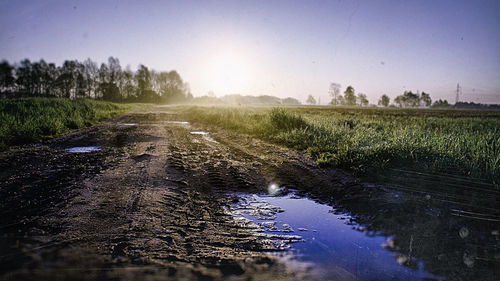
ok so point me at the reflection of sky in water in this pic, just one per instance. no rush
(83, 149)
(199, 133)
(204, 135)
(329, 242)
(127, 124)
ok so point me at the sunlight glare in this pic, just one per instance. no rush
(229, 73)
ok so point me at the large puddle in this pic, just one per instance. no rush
(83, 149)
(332, 242)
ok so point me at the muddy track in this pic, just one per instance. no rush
(150, 204)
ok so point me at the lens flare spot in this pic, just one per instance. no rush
(273, 189)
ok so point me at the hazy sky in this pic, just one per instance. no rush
(282, 48)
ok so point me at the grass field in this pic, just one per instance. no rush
(369, 141)
(34, 119)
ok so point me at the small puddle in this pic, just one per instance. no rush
(127, 124)
(204, 134)
(178, 122)
(83, 149)
(316, 234)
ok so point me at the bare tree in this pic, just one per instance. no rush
(334, 92)
(311, 100)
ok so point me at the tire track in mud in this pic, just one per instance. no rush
(154, 210)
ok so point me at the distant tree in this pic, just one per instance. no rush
(425, 99)
(51, 77)
(127, 85)
(266, 99)
(110, 77)
(114, 69)
(172, 88)
(340, 100)
(334, 92)
(36, 78)
(350, 96)
(75, 79)
(384, 101)
(6, 77)
(290, 101)
(408, 99)
(441, 104)
(24, 79)
(311, 100)
(144, 86)
(91, 74)
(46, 78)
(399, 101)
(363, 101)
(67, 78)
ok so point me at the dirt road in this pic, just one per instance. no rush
(149, 204)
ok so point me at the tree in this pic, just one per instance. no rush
(350, 96)
(144, 86)
(441, 104)
(52, 73)
(91, 74)
(67, 78)
(334, 92)
(81, 80)
(127, 86)
(340, 100)
(290, 101)
(399, 101)
(408, 99)
(24, 79)
(6, 77)
(311, 100)
(384, 101)
(425, 99)
(363, 101)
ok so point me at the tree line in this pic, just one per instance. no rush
(74, 79)
(407, 99)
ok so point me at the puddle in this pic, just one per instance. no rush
(83, 149)
(204, 134)
(332, 242)
(201, 133)
(178, 122)
(127, 124)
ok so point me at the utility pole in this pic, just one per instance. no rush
(459, 92)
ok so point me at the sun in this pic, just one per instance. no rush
(228, 73)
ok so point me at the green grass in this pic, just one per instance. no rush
(28, 120)
(369, 141)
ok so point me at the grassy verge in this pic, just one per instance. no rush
(28, 120)
(370, 141)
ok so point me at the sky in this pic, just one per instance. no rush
(281, 48)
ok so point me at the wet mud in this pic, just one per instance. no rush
(152, 204)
